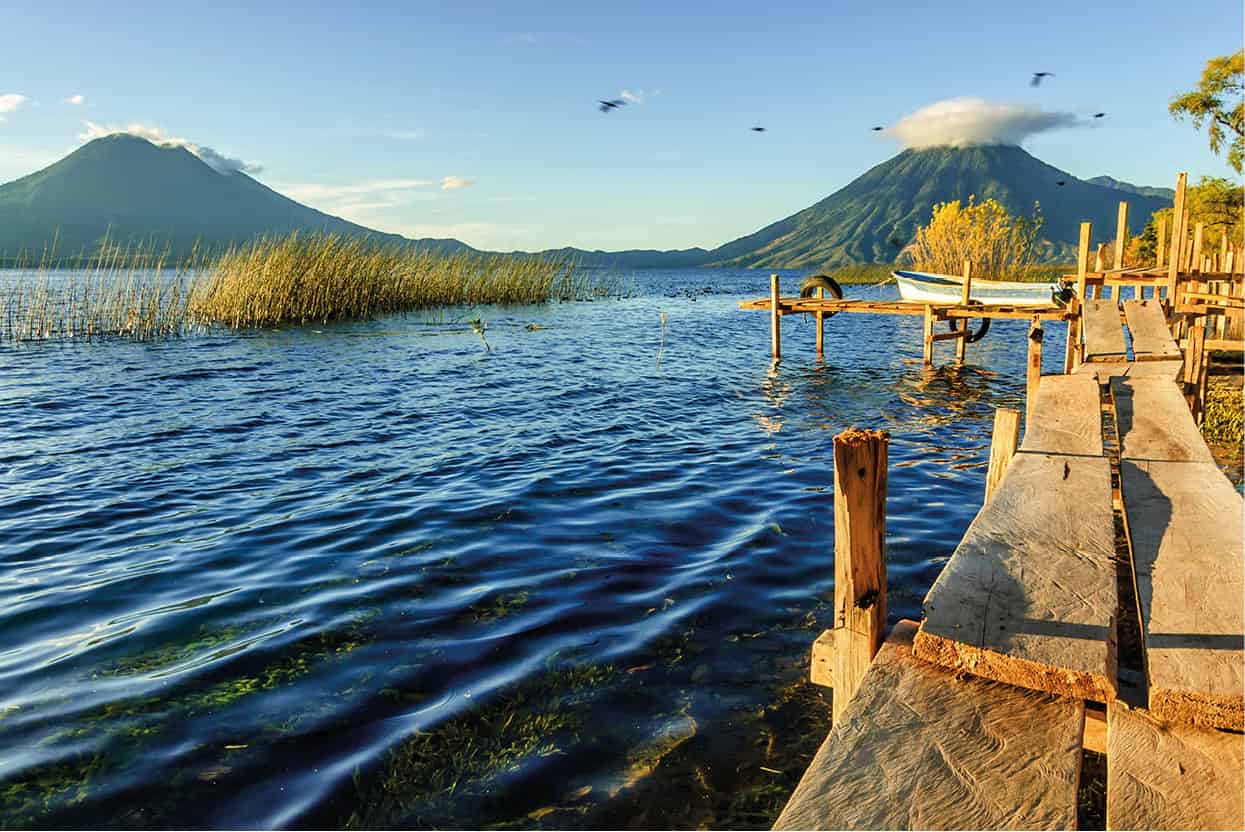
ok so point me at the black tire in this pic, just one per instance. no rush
(972, 337)
(820, 281)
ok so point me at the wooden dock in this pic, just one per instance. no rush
(978, 715)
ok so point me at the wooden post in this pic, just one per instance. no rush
(927, 354)
(1159, 239)
(1003, 445)
(1072, 354)
(775, 322)
(961, 344)
(821, 324)
(1121, 234)
(1033, 376)
(860, 459)
(1195, 371)
(1195, 255)
(1220, 264)
(1186, 245)
(1173, 253)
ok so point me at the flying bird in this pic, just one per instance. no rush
(878, 129)
(758, 129)
(1061, 183)
(612, 104)
(1100, 115)
(1038, 76)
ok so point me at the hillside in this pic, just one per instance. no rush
(131, 189)
(873, 216)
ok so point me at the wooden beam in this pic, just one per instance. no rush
(1195, 254)
(1121, 234)
(927, 354)
(1072, 353)
(775, 322)
(1033, 374)
(921, 748)
(1173, 257)
(860, 462)
(965, 295)
(1159, 248)
(1162, 775)
(1003, 444)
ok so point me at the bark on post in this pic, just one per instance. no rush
(860, 460)
(1003, 444)
(775, 322)
(1033, 375)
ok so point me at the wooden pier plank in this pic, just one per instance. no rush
(1185, 523)
(1104, 371)
(1164, 776)
(1066, 417)
(1154, 422)
(1029, 596)
(1104, 335)
(1152, 341)
(920, 748)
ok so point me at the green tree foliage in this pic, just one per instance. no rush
(1215, 202)
(1219, 101)
(997, 244)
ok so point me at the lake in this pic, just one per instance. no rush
(374, 574)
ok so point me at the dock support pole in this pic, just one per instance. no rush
(1003, 445)
(927, 354)
(821, 325)
(1072, 354)
(1195, 371)
(1033, 376)
(860, 460)
(1198, 230)
(961, 343)
(1121, 241)
(775, 322)
(1173, 251)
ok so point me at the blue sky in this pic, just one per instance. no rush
(365, 112)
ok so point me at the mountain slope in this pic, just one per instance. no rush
(131, 189)
(1144, 190)
(873, 216)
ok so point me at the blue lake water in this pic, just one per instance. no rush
(371, 574)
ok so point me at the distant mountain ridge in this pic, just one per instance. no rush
(133, 190)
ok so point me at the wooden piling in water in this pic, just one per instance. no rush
(1072, 354)
(1033, 375)
(860, 462)
(1195, 371)
(821, 325)
(965, 294)
(775, 320)
(1003, 444)
(927, 354)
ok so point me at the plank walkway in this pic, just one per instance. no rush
(918, 748)
(1029, 596)
(1104, 340)
(1152, 341)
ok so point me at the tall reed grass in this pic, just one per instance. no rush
(133, 291)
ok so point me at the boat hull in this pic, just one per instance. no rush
(924, 287)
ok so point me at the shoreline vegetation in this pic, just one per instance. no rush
(134, 292)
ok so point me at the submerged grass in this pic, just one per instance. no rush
(134, 291)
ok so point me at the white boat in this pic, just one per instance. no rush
(923, 287)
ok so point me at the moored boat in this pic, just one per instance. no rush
(924, 287)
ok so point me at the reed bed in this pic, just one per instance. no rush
(133, 292)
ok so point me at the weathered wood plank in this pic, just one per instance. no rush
(1186, 527)
(1104, 336)
(1104, 371)
(1029, 597)
(1164, 776)
(919, 748)
(1066, 417)
(1154, 422)
(1152, 341)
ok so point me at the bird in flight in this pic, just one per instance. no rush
(1100, 115)
(1038, 76)
(612, 104)
(758, 129)
(878, 129)
(1061, 183)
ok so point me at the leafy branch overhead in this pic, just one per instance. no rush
(1219, 101)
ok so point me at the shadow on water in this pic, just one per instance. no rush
(370, 575)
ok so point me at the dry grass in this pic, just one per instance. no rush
(133, 292)
(998, 245)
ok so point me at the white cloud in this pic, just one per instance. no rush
(353, 192)
(453, 183)
(77, 100)
(960, 122)
(9, 102)
(630, 97)
(156, 135)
